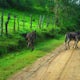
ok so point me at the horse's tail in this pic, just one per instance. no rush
(65, 38)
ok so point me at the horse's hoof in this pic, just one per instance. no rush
(69, 48)
(65, 48)
(32, 50)
(75, 47)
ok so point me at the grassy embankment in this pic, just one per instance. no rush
(16, 61)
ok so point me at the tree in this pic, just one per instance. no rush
(50, 5)
(67, 13)
(4, 4)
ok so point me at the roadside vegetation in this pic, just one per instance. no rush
(14, 62)
(59, 17)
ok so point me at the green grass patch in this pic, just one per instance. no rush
(14, 62)
(25, 16)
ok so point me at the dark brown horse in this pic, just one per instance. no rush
(31, 39)
(72, 36)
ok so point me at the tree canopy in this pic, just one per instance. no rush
(66, 12)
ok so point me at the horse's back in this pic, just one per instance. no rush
(31, 36)
(71, 35)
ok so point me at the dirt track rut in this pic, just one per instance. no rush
(59, 65)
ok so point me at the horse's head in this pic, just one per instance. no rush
(78, 32)
(34, 32)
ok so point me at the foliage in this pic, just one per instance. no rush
(14, 62)
(67, 14)
(67, 18)
(27, 4)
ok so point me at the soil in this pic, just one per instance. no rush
(60, 64)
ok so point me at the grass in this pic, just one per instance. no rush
(25, 16)
(14, 62)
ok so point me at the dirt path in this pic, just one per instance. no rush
(58, 65)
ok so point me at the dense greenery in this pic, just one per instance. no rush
(27, 4)
(66, 18)
(67, 14)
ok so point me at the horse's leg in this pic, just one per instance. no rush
(76, 42)
(28, 42)
(28, 45)
(32, 46)
(65, 45)
(65, 42)
(68, 43)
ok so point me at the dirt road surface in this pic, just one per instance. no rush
(59, 65)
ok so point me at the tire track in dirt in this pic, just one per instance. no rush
(72, 70)
(61, 73)
(48, 63)
(64, 65)
(52, 56)
(51, 71)
(42, 73)
(55, 66)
